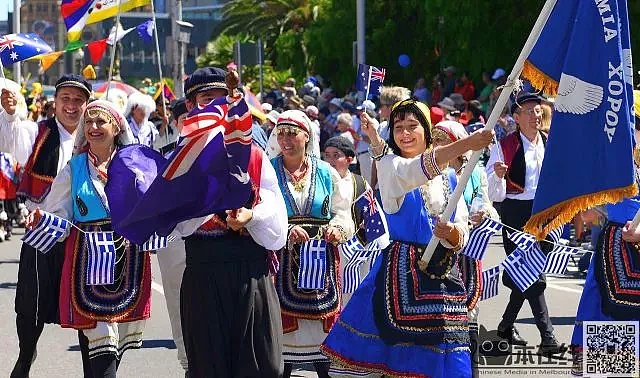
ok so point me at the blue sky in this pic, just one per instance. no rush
(5, 7)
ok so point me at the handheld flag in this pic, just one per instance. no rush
(490, 282)
(313, 264)
(370, 79)
(117, 34)
(373, 222)
(352, 277)
(101, 264)
(15, 48)
(557, 263)
(155, 243)
(168, 93)
(351, 247)
(536, 258)
(145, 30)
(583, 56)
(522, 273)
(522, 240)
(214, 152)
(479, 238)
(46, 233)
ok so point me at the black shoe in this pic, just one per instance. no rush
(20, 370)
(512, 336)
(550, 345)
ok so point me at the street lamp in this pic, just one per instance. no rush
(184, 37)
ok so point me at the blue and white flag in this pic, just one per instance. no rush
(523, 240)
(370, 80)
(155, 243)
(536, 258)
(46, 233)
(556, 234)
(351, 247)
(520, 270)
(352, 276)
(490, 282)
(313, 264)
(145, 30)
(557, 263)
(101, 264)
(374, 257)
(583, 55)
(479, 238)
(15, 48)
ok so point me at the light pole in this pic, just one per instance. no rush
(184, 37)
(17, 74)
(360, 26)
(177, 66)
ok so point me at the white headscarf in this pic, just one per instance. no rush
(123, 138)
(293, 118)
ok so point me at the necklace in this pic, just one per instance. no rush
(299, 180)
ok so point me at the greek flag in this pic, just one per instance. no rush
(536, 258)
(522, 240)
(490, 282)
(154, 243)
(313, 264)
(352, 270)
(46, 233)
(555, 235)
(102, 258)
(479, 238)
(351, 247)
(374, 257)
(520, 270)
(558, 260)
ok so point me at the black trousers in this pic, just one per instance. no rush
(516, 213)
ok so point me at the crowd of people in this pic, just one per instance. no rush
(231, 279)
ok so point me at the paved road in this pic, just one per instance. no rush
(58, 351)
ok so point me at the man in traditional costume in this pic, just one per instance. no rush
(43, 149)
(513, 171)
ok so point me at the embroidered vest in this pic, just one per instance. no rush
(42, 166)
(87, 204)
(217, 225)
(318, 204)
(513, 154)
(411, 226)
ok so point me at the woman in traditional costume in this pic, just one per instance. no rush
(111, 316)
(407, 318)
(317, 210)
(445, 133)
(612, 288)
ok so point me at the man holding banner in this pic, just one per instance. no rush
(45, 148)
(513, 172)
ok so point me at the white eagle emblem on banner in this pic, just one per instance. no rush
(577, 96)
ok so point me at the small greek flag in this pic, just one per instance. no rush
(479, 238)
(521, 272)
(556, 234)
(523, 240)
(352, 277)
(351, 247)
(313, 264)
(558, 260)
(155, 242)
(46, 233)
(536, 258)
(102, 258)
(374, 257)
(490, 282)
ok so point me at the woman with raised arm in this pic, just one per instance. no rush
(409, 318)
(111, 316)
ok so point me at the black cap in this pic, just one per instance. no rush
(343, 144)
(74, 81)
(204, 79)
(523, 99)
(178, 107)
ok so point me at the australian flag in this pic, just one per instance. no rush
(206, 174)
(370, 80)
(18, 47)
(373, 223)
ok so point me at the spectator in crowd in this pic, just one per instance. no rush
(449, 82)
(486, 91)
(313, 113)
(345, 128)
(421, 92)
(436, 90)
(139, 109)
(465, 87)
(474, 114)
(271, 121)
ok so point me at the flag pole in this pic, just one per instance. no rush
(366, 95)
(155, 33)
(495, 113)
(113, 50)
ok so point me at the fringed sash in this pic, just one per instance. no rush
(617, 271)
(410, 306)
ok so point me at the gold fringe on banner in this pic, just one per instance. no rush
(539, 79)
(542, 223)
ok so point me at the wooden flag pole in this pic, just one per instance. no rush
(113, 50)
(495, 113)
(155, 33)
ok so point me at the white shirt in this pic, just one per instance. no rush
(144, 134)
(384, 131)
(533, 156)
(362, 145)
(268, 227)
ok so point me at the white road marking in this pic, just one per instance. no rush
(564, 288)
(157, 287)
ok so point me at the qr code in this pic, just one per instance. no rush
(610, 349)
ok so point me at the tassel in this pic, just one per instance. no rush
(539, 79)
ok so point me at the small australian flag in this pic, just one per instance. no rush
(18, 47)
(373, 224)
(370, 80)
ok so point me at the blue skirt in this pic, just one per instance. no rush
(354, 343)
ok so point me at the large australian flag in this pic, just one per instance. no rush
(206, 174)
(15, 48)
